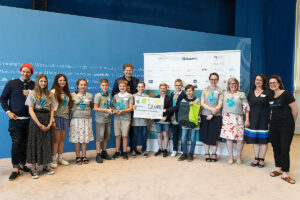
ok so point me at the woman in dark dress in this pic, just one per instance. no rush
(284, 112)
(258, 133)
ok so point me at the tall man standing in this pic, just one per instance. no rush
(132, 85)
(13, 103)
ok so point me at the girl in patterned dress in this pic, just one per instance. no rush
(41, 110)
(235, 105)
(81, 131)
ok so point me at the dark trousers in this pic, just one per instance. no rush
(139, 131)
(281, 138)
(19, 132)
(176, 132)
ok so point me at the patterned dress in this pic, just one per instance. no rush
(234, 107)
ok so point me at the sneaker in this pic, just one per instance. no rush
(48, 170)
(174, 154)
(54, 162)
(145, 155)
(165, 153)
(158, 152)
(24, 169)
(13, 176)
(116, 155)
(34, 174)
(190, 157)
(105, 155)
(182, 157)
(62, 161)
(99, 158)
(133, 154)
(125, 156)
(138, 153)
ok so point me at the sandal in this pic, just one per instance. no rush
(85, 160)
(78, 160)
(214, 159)
(207, 159)
(289, 180)
(261, 165)
(255, 164)
(275, 173)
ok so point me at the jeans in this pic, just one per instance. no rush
(176, 132)
(142, 131)
(185, 132)
(19, 133)
(161, 127)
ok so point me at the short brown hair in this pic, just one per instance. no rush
(178, 80)
(123, 81)
(141, 82)
(278, 79)
(235, 80)
(163, 84)
(104, 80)
(189, 86)
(128, 65)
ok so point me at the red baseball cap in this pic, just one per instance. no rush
(28, 66)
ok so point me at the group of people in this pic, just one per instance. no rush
(40, 118)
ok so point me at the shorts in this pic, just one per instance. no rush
(161, 127)
(121, 127)
(102, 131)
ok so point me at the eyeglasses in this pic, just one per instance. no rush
(232, 83)
(213, 79)
(273, 83)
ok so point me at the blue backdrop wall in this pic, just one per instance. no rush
(91, 48)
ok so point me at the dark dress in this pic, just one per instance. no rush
(258, 132)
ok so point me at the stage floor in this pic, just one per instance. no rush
(156, 178)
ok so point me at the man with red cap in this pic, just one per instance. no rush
(13, 103)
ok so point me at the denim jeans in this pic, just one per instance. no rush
(19, 133)
(185, 132)
(176, 132)
(139, 131)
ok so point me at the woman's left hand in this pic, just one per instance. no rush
(247, 123)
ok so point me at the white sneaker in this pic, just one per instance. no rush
(174, 154)
(54, 162)
(62, 161)
(34, 174)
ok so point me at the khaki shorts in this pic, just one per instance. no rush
(102, 131)
(121, 127)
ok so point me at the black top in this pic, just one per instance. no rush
(132, 84)
(12, 97)
(167, 104)
(259, 109)
(281, 111)
(175, 108)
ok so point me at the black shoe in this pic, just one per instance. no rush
(138, 153)
(158, 152)
(99, 158)
(165, 153)
(13, 176)
(190, 157)
(25, 169)
(116, 155)
(125, 156)
(182, 157)
(105, 155)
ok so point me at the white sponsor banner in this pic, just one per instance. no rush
(191, 67)
(147, 107)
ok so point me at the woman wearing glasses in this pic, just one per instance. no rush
(258, 133)
(235, 105)
(211, 119)
(284, 113)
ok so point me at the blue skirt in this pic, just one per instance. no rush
(61, 123)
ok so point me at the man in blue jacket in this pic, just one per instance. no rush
(13, 103)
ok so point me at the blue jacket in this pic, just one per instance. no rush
(133, 84)
(175, 108)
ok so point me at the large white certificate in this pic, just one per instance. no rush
(147, 107)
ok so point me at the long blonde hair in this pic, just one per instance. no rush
(38, 90)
